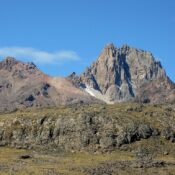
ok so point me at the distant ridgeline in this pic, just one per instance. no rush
(118, 75)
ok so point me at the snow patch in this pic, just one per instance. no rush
(90, 91)
(97, 94)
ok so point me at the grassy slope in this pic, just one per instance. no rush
(71, 163)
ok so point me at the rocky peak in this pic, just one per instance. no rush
(8, 63)
(118, 73)
(125, 48)
(19, 68)
(9, 59)
(109, 47)
(109, 50)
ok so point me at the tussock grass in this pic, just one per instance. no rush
(70, 163)
(157, 116)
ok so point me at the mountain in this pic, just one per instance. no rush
(24, 85)
(126, 74)
(118, 75)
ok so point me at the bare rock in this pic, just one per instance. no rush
(127, 74)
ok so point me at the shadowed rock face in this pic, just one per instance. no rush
(125, 74)
(24, 85)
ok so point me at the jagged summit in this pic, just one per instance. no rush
(109, 46)
(109, 50)
(9, 59)
(8, 62)
(120, 74)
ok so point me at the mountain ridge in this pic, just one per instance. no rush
(118, 75)
(24, 85)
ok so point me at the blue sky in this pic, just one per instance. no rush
(62, 36)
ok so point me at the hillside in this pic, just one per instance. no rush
(88, 139)
(24, 85)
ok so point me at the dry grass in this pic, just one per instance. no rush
(157, 116)
(42, 163)
(69, 163)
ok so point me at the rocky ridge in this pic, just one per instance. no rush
(126, 74)
(90, 128)
(24, 85)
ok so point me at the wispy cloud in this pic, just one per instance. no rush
(39, 56)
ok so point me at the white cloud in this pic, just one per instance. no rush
(39, 56)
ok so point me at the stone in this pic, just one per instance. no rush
(25, 156)
(166, 153)
(127, 74)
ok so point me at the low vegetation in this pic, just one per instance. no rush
(119, 139)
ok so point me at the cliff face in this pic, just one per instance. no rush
(125, 74)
